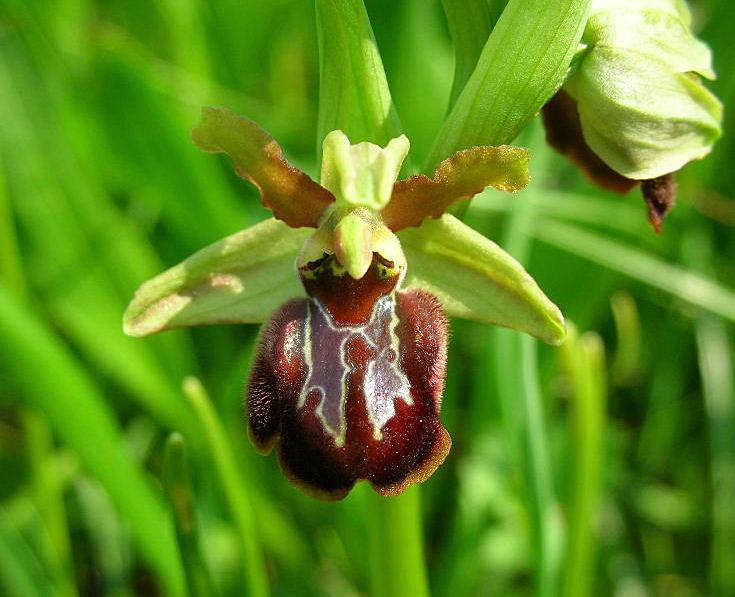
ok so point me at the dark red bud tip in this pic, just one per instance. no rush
(660, 196)
(347, 402)
(564, 133)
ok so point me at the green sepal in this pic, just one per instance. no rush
(659, 29)
(242, 278)
(475, 279)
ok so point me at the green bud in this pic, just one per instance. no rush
(642, 107)
(361, 175)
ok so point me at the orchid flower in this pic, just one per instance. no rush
(349, 372)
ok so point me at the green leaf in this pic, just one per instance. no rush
(461, 176)
(21, 573)
(469, 24)
(475, 279)
(583, 361)
(181, 495)
(287, 191)
(353, 91)
(524, 62)
(56, 383)
(234, 485)
(680, 283)
(640, 116)
(239, 279)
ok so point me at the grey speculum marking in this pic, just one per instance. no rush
(325, 349)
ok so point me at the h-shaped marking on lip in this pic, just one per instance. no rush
(326, 344)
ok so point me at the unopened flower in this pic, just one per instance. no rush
(634, 109)
(348, 376)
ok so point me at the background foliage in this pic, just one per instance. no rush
(606, 466)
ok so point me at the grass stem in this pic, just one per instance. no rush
(396, 545)
(234, 485)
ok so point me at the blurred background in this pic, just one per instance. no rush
(607, 465)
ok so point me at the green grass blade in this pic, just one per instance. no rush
(181, 495)
(353, 90)
(519, 393)
(584, 362)
(469, 24)
(718, 386)
(522, 65)
(11, 269)
(49, 499)
(545, 515)
(20, 573)
(716, 357)
(396, 545)
(683, 284)
(81, 419)
(234, 485)
(108, 536)
(626, 366)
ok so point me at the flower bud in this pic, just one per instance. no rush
(641, 108)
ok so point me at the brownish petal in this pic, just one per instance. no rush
(343, 403)
(460, 176)
(288, 192)
(564, 133)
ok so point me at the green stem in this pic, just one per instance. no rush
(715, 355)
(182, 498)
(353, 90)
(522, 407)
(584, 362)
(545, 514)
(234, 485)
(469, 26)
(48, 495)
(715, 364)
(396, 545)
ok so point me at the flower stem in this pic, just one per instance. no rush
(234, 486)
(583, 360)
(396, 545)
(181, 496)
